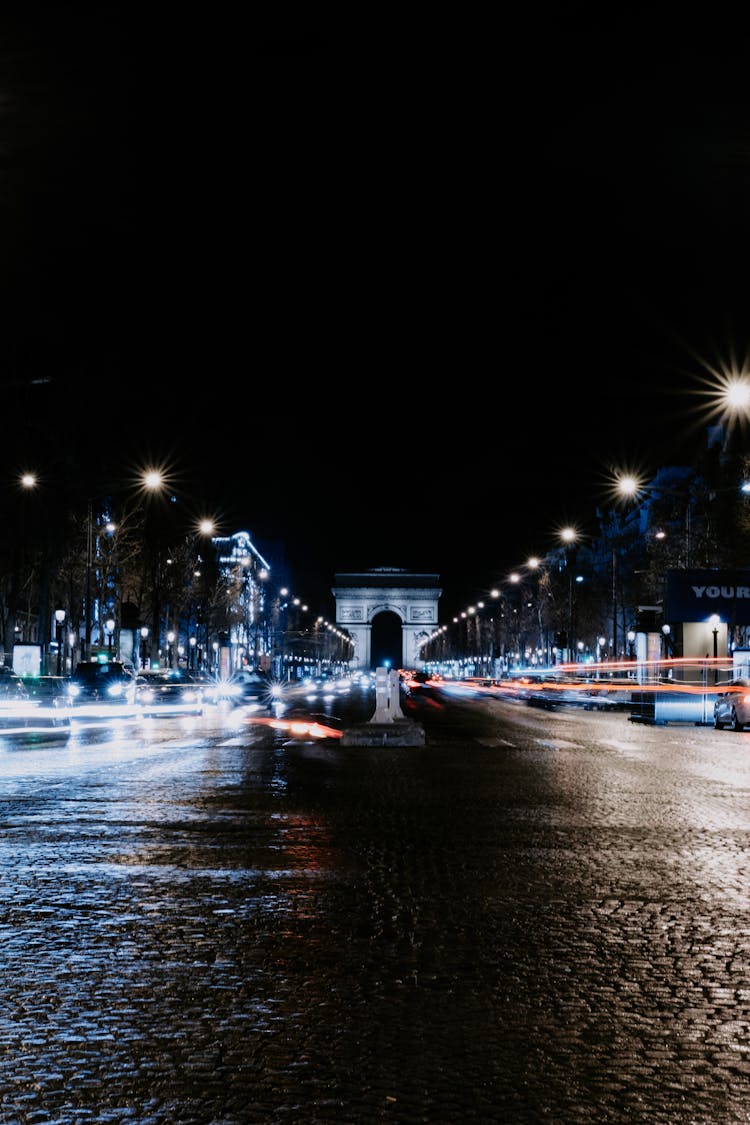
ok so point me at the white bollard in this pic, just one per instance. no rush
(387, 702)
(382, 697)
(395, 698)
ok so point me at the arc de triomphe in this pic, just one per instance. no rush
(412, 596)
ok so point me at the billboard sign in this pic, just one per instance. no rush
(693, 595)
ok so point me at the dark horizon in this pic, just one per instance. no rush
(382, 303)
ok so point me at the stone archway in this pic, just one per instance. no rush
(362, 596)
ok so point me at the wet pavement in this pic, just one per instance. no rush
(536, 917)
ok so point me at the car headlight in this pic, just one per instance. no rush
(73, 690)
(115, 690)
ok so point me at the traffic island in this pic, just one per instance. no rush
(388, 725)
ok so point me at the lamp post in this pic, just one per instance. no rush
(192, 642)
(170, 643)
(110, 528)
(665, 631)
(627, 487)
(614, 603)
(89, 565)
(714, 620)
(600, 643)
(59, 619)
(109, 626)
(144, 635)
(569, 536)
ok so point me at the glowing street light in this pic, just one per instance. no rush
(59, 619)
(666, 630)
(631, 642)
(569, 537)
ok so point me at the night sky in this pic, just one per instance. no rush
(388, 296)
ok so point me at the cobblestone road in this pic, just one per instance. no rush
(535, 918)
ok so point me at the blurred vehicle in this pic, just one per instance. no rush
(168, 691)
(732, 706)
(95, 683)
(12, 687)
(244, 688)
(14, 700)
(29, 706)
(411, 682)
(50, 690)
(550, 691)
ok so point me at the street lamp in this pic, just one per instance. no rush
(170, 643)
(109, 626)
(60, 618)
(144, 635)
(89, 565)
(600, 643)
(714, 620)
(110, 528)
(569, 537)
(666, 630)
(626, 486)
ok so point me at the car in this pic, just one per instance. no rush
(14, 700)
(732, 706)
(29, 705)
(246, 688)
(95, 683)
(12, 687)
(168, 691)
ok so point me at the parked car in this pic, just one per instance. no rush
(168, 691)
(96, 682)
(732, 706)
